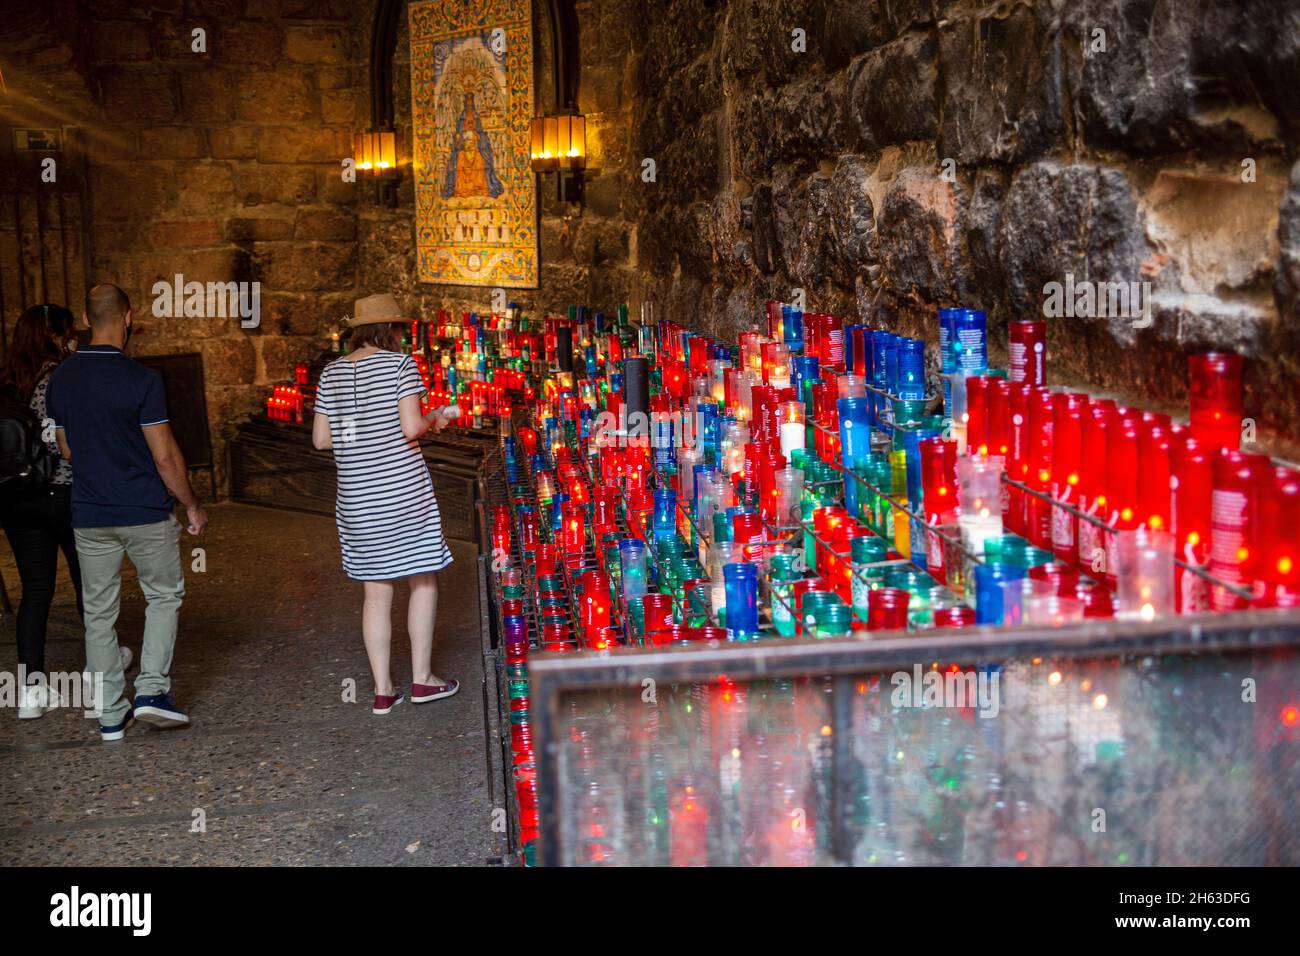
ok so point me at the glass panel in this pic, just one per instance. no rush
(1153, 760)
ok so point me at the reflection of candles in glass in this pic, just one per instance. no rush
(688, 829)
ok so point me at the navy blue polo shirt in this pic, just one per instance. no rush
(100, 399)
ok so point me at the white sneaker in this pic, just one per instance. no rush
(88, 679)
(31, 702)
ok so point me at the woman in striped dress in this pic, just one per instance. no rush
(368, 412)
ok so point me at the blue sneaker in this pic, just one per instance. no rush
(160, 711)
(108, 732)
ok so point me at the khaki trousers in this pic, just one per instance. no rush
(154, 550)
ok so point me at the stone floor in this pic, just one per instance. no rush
(284, 771)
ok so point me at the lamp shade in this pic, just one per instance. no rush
(558, 142)
(375, 152)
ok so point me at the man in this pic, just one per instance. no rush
(111, 419)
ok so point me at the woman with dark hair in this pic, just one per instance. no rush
(368, 412)
(37, 518)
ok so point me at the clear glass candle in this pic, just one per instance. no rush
(1144, 574)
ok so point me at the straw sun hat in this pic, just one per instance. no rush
(376, 310)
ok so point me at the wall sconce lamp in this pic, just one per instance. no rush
(559, 145)
(375, 153)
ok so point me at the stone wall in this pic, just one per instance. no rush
(223, 164)
(921, 153)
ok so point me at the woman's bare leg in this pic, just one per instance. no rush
(421, 615)
(377, 630)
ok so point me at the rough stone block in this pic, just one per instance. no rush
(129, 191)
(316, 45)
(173, 142)
(232, 142)
(307, 267)
(1195, 74)
(892, 93)
(256, 184)
(1069, 219)
(289, 144)
(920, 227)
(139, 96)
(325, 224)
(276, 96)
(208, 95)
(203, 188)
(246, 229)
(120, 41)
(185, 234)
(1001, 99)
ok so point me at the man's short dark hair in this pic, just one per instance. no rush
(106, 304)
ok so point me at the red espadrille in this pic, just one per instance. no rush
(384, 704)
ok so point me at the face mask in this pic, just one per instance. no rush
(126, 341)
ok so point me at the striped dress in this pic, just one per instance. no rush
(389, 526)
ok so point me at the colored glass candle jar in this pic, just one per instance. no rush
(957, 616)
(989, 582)
(747, 531)
(547, 557)
(866, 550)
(575, 529)
(1234, 524)
(1027, 351)
(1214, 398)
(911, 369)
(834, 620)
(784, 568)
(971, 341)
(810, 608)
(632, 568)
(741, 583)
(887, 609)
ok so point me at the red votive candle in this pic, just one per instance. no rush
(1067, 451)
(977, 414)
(887, 609)
(957, 616)
(1234, 524)
(1153, 489)
(1027, 344)
(1214, 398)
(1122, 456)
(1097, 420)
(1279, 552)
(1018, 462)
(999, 405)
(1038, 512)
(547, 556)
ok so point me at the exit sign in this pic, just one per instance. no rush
(47, 140)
